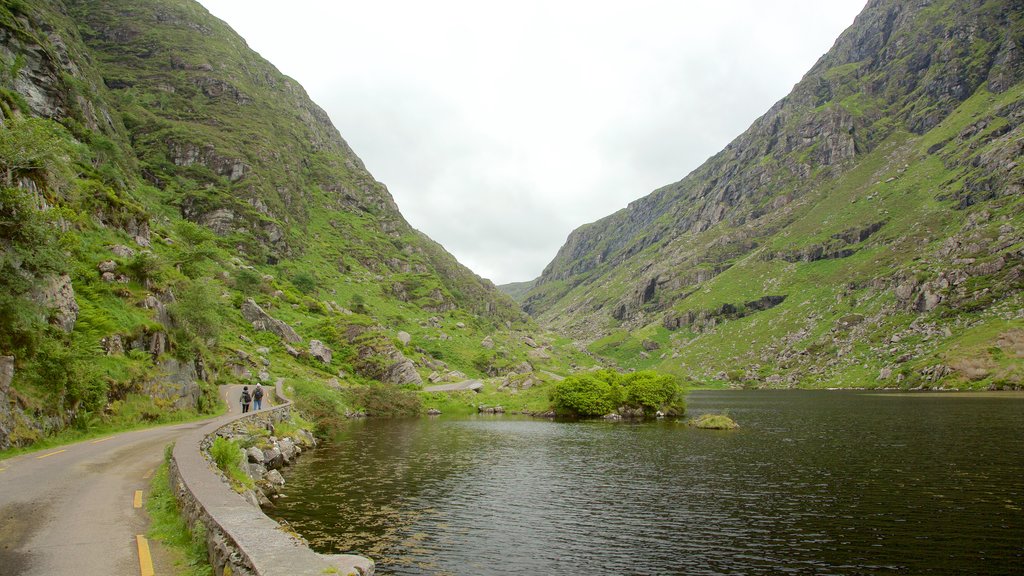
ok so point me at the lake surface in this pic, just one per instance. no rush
(813, 483)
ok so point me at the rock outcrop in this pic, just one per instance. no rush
(260, 320)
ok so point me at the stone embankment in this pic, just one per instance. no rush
(241, 539)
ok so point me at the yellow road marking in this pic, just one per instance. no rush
(138, 499)
(50, 454)
(147, 474)
(145, 559)
(101, 440)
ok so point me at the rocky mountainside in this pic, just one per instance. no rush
(178, 213)
(866, 231)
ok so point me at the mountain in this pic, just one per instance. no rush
(177, 213)
(865, 231)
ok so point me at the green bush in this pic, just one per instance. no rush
(652, 392)
(305, 282)
(591, 394)
(603, 392)
(227, 454)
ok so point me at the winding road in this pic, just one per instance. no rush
(77, 509)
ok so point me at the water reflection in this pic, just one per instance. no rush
(814, 483)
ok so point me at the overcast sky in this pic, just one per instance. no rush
(499, 127)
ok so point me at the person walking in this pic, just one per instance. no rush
(246, 399)
(257, 397)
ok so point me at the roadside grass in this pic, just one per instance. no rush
(228, 456)
(167, 526)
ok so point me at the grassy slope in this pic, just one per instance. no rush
(821, 292)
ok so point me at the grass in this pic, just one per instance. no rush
(713, 422)
(461, 403)
(169, 528)
(227, 454)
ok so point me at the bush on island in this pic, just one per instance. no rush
(605, 391)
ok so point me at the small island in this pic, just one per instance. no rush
(713, 422)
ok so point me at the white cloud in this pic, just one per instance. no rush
(501, 127)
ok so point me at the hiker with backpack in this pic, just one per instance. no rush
(257, 397)
(246, 399)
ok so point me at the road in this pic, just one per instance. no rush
(71, 510)
(464, 385)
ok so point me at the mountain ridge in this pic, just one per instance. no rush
(177, 214)
(896, 74)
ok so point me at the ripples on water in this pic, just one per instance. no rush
(814, 483)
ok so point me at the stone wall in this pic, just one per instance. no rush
(241, 539)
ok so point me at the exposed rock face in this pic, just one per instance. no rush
(6, 417)
(260, 320)
(58, 295)
(179, 382)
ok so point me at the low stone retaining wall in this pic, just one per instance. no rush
(241, 539)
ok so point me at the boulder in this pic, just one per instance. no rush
(254, 455)
(487, 342)
(122, 251)
(288, 450)
(274, 478)
(320, 351)
(403, 372)
(405, 338)
(530, 342)
(260, 320)
(273, 459)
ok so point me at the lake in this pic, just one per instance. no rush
(814, 482)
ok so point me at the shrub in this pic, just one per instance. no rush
(305, 282)
(586, 395)
(602, 392)
(652, 391)
(227, 454)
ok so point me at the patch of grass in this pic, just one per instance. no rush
(227, 454)
(714, 422)
(169, 528)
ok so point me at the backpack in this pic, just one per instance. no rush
(258, 394)
(245, 397)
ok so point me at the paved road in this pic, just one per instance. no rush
(464, 385)
(70, 510)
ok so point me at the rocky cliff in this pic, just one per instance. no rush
(879, 202)
(159, 181)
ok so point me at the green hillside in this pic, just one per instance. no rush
(157, 176)
(866, 231)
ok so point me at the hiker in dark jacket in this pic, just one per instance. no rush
(246, 399)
